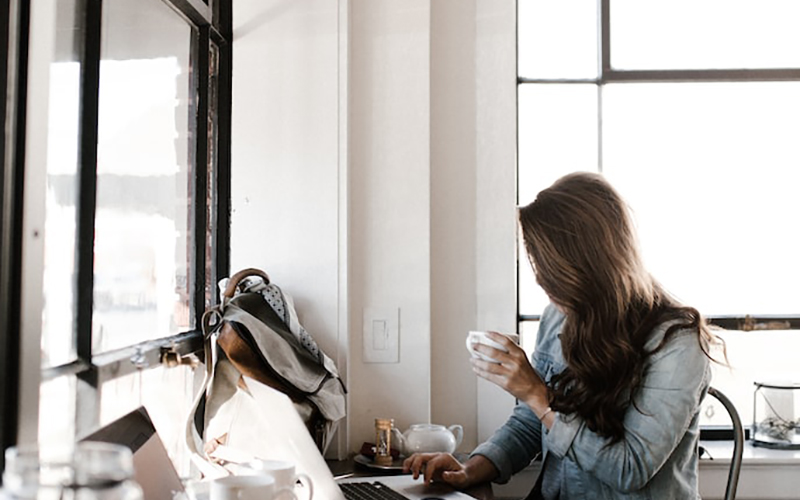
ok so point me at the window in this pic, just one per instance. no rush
(692, 110)
(135, 168)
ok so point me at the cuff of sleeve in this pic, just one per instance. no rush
(498, 457)
(561, 434)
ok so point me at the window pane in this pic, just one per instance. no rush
(527, 336)
(167, 394)
(143, 222)
(702, 34)
(557, 39)
(764, 356)
(58, 339)
(557, 135)
(711, 171)
(532, 299)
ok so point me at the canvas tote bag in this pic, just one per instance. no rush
(254, 331)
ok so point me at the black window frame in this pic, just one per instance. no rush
(211, 22)
(13, 75)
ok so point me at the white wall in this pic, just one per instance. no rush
(453, 182)
(374, 165)
(389, 140)
(473, 184)
(391, 184)
(286, 145)
(496, 164)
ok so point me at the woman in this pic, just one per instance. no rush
(619, 370)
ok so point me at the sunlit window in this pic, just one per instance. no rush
(692, 110)
(704, 34)
(710, 170)
(133, 141)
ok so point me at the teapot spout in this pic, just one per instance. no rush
(398, 441)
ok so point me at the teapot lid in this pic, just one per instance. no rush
(427, 426)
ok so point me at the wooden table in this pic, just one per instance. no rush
(350, 468)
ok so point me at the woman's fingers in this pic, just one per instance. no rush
(433, 467)
(500, 338)
(413, 464)
(492, 372)
(513, 374)
(416, 463)
(508, 359)
(438, 465)
(512, 350)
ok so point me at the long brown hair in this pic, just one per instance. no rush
(582, 244)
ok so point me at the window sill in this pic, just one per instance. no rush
(766, 473)
(721, 451)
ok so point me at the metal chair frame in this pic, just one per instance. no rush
(738, 443)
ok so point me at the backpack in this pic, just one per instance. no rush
(255, 332)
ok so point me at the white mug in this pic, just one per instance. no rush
(286, 479)
(479, 337)
(243, 488)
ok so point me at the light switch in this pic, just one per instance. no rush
(381, 334)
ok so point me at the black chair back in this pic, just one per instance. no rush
(738, 443)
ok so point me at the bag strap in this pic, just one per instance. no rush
(211, 319)
(194, 440)
(237, 278)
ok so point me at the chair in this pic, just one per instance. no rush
(738, 443)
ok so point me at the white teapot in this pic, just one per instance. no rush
(423, 438)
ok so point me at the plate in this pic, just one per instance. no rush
(396, 465)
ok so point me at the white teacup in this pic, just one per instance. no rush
(479, 337)
(286, 479)
(196, 489)
(243, 488)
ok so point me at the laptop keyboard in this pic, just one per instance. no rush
(369, 491)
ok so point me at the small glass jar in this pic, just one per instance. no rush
(87, 471)
(776, 415)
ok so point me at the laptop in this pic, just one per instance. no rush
(289, 440)
(153, 469)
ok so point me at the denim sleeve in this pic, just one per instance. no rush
(513, 446)
(675, 382)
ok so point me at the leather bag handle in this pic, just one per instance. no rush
(230, 290)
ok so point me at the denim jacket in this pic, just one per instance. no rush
(656, 459)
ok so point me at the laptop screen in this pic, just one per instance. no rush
(153, 469)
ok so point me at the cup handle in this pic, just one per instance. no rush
(469, 344)
(458, 432)
(306, 481)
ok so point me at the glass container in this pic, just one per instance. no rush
(85, 471)
(776, 415)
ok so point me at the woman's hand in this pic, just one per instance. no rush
(513, 373)
(437, 467)
(444, 468)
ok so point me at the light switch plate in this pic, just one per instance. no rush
(381, 335)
